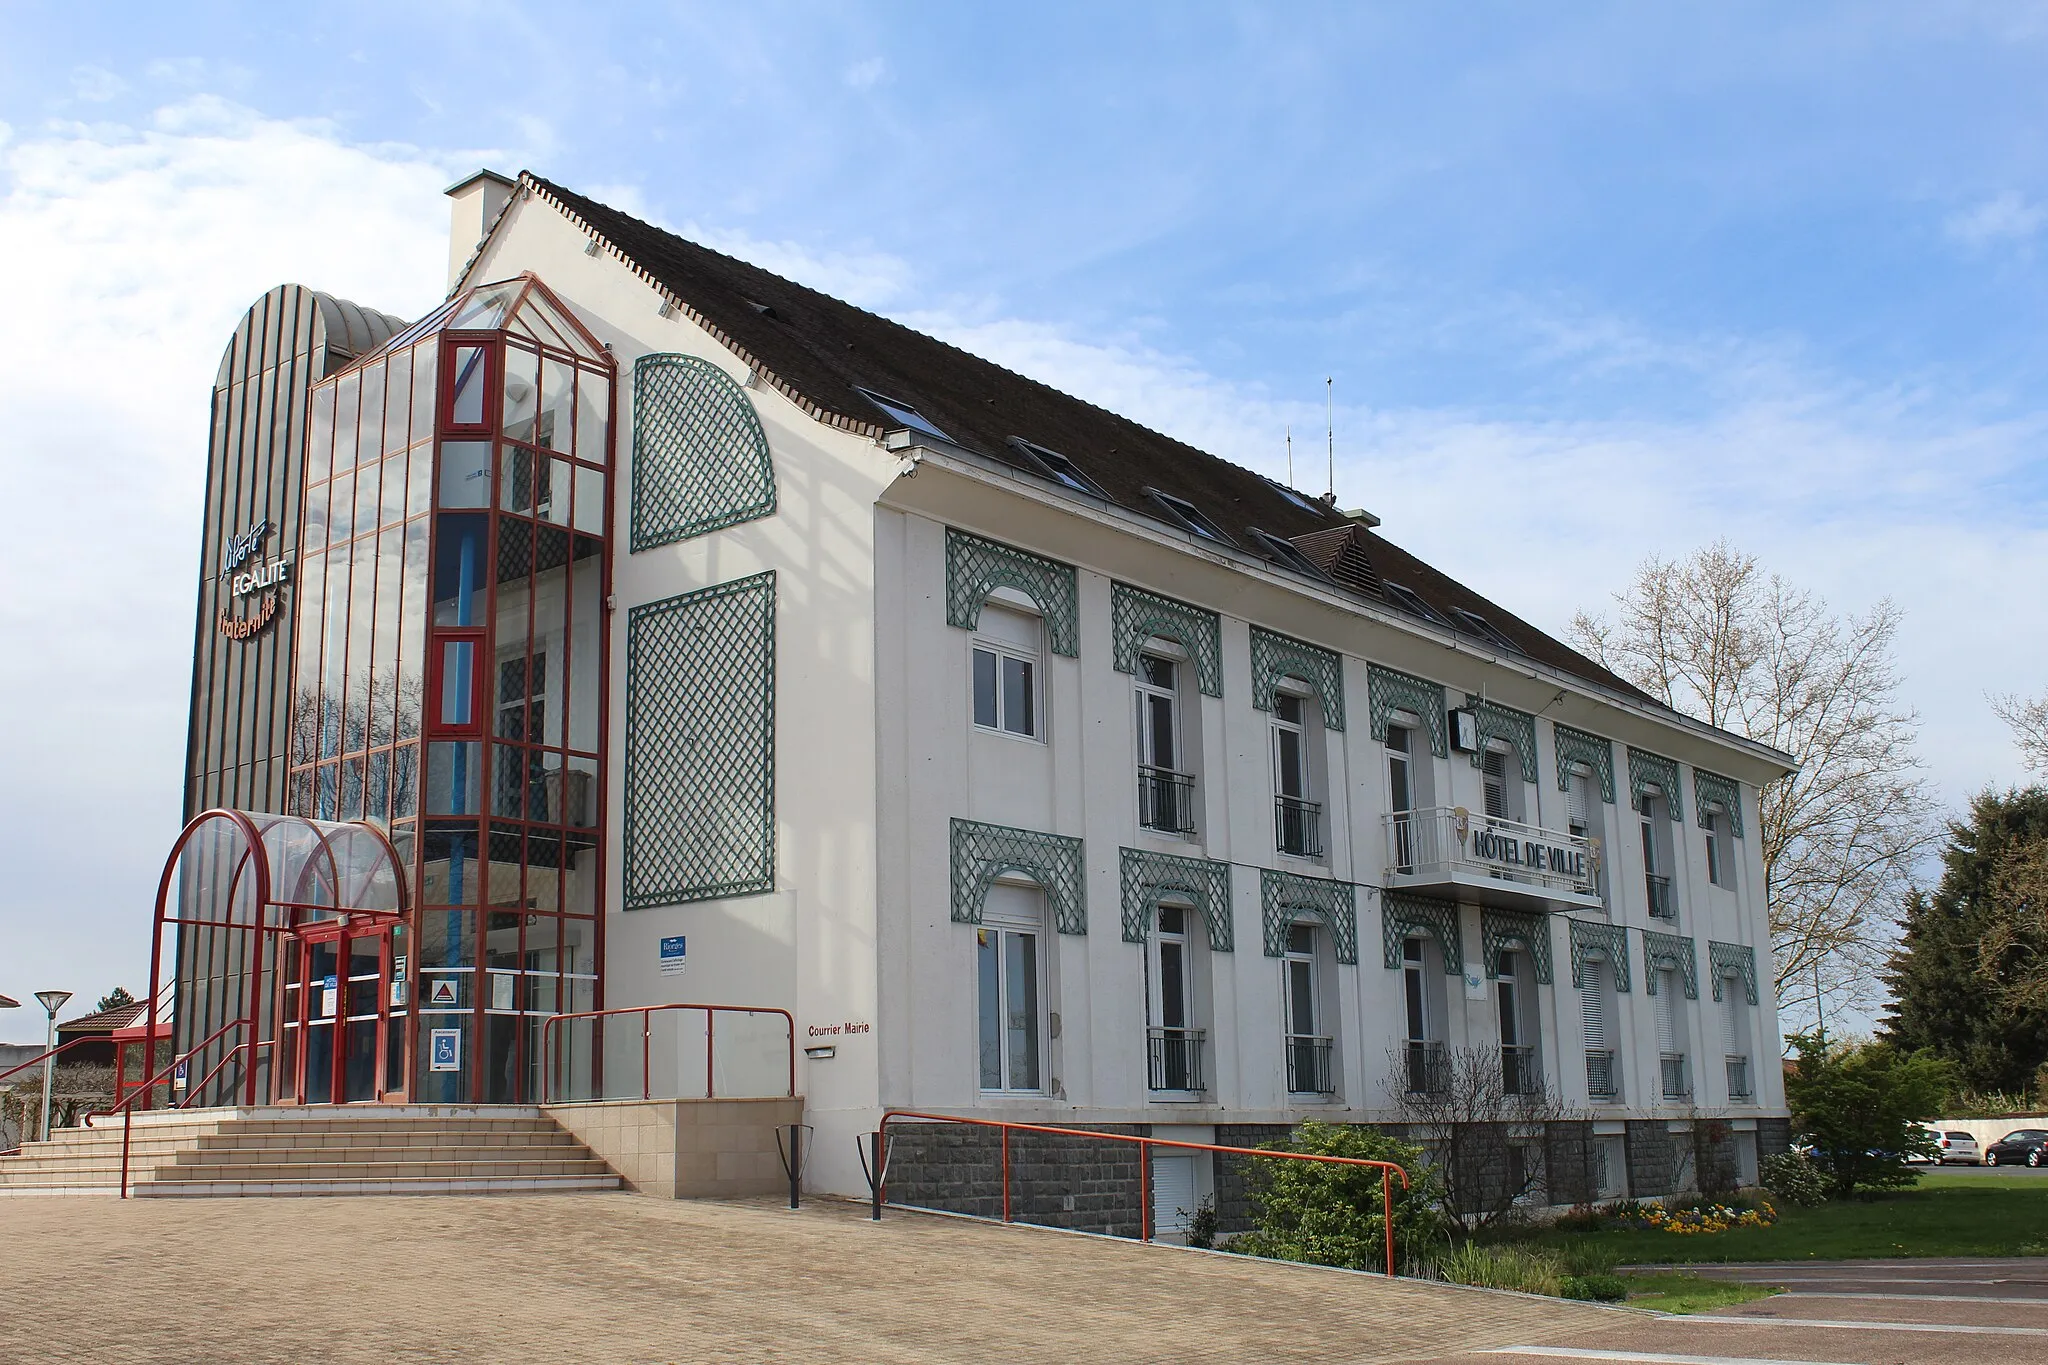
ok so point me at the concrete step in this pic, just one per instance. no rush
(403, 1156)
(253, 1171)
(201, 1189)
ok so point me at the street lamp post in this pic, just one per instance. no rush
(51, 1001)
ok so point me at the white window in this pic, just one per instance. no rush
(1515, 1002)
(1297, 821)
(1009, 970)
(1581, 804)
(1596, 1013)
(1501, 771)
(1174, 1043)
(1401, 794)
(1719, 870)
(1671, 1035)
(1005, 680)
(1308, 1047)
(1424, 1051)
(1165, 792)
(1657, 859)
(1735, 1038)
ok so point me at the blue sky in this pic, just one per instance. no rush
(1593, 283)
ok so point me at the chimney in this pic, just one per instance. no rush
(475, 205)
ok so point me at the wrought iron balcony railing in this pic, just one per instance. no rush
(1677, 1084)
(1661, 904)
(1603, 1075)
(1175, 1059)
(1738, 1078)
(1298, 826)
(1521, 1070)
(1166, 800)
(1308, 1065)
(1429, 1070)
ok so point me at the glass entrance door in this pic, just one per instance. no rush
(343, 1006)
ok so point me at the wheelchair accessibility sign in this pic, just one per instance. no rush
(445, 1049)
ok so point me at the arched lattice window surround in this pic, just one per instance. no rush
(1276, 657)
(1673, 953)
(1646, 770)
(1733, 961)
(1517, 728)
(1402, 917)
(1136, 615)
(976, 567)
(1150, 878)
(1576, 746)
(700, 455)
(1608, 942)
(1286, 897)
(1503, 931)
(1391, 691)
(982, 853)
(1712, 789)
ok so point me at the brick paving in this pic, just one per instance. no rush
(628, 1279)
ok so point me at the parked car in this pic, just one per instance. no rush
(1958, 1147)
(2022, 1147)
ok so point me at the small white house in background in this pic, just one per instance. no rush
(1048, 768)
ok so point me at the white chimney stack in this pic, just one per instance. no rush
(475, 205)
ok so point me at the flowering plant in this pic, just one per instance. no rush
(1705, 1218)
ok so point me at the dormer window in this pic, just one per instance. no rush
(1298, 498)
(1062, 469)
(1284, 553)
(903, 413)
(1187, 515)
(1475, 624)
(1405, 598)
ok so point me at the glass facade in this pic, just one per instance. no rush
(449, 680)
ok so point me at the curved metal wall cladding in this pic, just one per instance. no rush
(700, 455)
(700, 745)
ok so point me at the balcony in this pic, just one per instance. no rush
(1661, 904)
(1450, 852)
(1308, 1065)
(1603, 1076)
(1738, 1078)
(1429, 1070)
(1175, 1059)
(1677, 1084)
(1166, 800)
(1521, 1070)
(1298, 826)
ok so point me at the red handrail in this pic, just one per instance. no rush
(646, 1013)
(42, 1057)
(125, 1105)
(1388, 1169)
(191, 1091)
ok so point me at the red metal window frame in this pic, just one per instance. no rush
(435, 724)
(491, 346)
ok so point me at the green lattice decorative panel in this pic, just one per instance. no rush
(1608, 940)
(700, 457)
(981, 853)
(1136, 616)
(1669, 950)
(1518, 728)
(1646, 769)
(977, 567)
(1502, 930)
(1403, 916)
(1284, 897)
(1709, 787)
(700, 745)
(1393, 691)
(1576, 746)
(1277, 656)
(1736, 958)
(1148, 876)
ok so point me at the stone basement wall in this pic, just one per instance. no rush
(1233, 1173)
(1652, 1158)
(1058, 1182)
(1714, 1166)
(1569, 1173)
(1772, 1137)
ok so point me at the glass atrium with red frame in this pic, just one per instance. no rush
(449, 682)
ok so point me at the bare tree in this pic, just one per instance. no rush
(1717, 638)
(2028, 719)
(1469, 1107)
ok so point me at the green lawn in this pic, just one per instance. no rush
(1680, 1292)
(1944, 1215)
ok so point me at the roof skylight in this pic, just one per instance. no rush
(1058, 466)
(1406, 598)
(1297, 497)
(1286, 554)
(904, 413)
(1483, 628)
(1188, 515)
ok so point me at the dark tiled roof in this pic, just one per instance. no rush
(102, 1021)
(820, 352)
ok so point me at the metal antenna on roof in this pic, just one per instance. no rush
(1290, 454)
(1330, 430)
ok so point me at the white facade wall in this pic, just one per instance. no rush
(876, 753)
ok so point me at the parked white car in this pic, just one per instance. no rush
(1958, 1148)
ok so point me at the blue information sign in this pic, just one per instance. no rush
(672, 955)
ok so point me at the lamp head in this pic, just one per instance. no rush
(52, 1000)
(8, 1002)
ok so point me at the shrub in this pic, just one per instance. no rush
(1330, 1215)
(1202, 1226)
(1604, 1288)
(1795, 1179)
(1861, 1107)
(1521, 1268)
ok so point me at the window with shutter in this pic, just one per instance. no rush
(1496, 785)
(1667, 1010)
(1593, 1006)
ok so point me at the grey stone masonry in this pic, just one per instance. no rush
(1773, 1136)
(1234, 1210)
(1055, 1181)
(1652, 1158)
(1713, 1146)
(1569, 1173)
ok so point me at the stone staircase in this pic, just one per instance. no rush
(498, 1149)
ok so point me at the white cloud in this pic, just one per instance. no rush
(96, 84)
(133, 251)
(866, 75)
(2008, 217)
